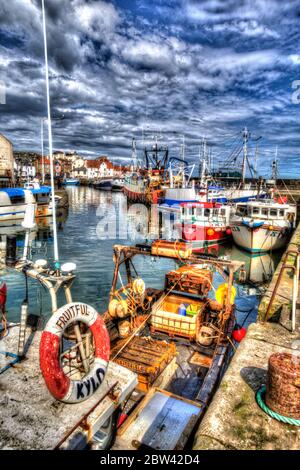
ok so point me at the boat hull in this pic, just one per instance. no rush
(12, 213)
(139, 196)
(71, 183)
(260, 239)
(200, 236)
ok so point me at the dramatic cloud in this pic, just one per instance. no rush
(127, 68)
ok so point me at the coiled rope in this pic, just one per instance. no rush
(260, 398)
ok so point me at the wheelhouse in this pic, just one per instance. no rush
(266, 210)
(205, 210)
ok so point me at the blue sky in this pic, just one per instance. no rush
(171, 67)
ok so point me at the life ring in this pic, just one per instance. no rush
(58, 383)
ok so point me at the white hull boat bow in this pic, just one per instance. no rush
(261, 226)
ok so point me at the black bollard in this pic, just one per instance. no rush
(11, 250)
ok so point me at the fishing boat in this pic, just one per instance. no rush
(204, 223)
(235, 194)
(42, 196)
(13, 203)
(261, 226)
(153, 330)
(104, 184)
(148, 184)
(174, 197)
(71, 182)
(117, 185)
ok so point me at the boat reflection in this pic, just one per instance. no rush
(259, 267)
(40, 236)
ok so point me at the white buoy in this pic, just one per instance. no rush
(68, 268)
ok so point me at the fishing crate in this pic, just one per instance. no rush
(146, 357)
(166, 319)
(190, 279)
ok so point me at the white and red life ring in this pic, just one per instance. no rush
(58, 384)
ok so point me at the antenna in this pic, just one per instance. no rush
(56, 255)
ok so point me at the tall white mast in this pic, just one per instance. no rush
(56, 255)
(245, 156)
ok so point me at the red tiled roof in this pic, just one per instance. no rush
(92, 163)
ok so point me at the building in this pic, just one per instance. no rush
(64, 162)
(42, 166)
(92, 169)
(79, 167)
(25, 165)
(6, 162)
(106, 167)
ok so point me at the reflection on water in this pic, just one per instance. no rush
(82, 240)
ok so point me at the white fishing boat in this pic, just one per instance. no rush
(13, 203)
(71, 182)
(174, 197)
(235, 194)
(265, 225)
(117, 185)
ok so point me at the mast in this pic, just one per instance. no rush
(255, 160)
(134, 159)
(275, 166)
(56, 254)
(183, 148)
(245, 155)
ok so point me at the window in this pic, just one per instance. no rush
(206, 212)
(240, 210)
(273, 212)
(255, 210)
(17, 199)
(264, 212)
(223, 212)
(281, 212)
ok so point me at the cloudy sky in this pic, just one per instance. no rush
(203, 68)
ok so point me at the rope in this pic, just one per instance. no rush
(260, 398)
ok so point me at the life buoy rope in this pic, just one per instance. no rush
(58, 383)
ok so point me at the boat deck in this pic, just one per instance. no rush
(32, 419)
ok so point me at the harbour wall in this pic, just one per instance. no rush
(234, 420)
(280, 289)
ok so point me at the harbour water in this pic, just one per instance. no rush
(94, 223)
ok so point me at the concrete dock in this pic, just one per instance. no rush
(32, 419)
(234, 420)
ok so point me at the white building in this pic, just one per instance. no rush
(6, 161)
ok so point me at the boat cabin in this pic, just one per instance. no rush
(205, 210)
(267, 210)
(15, 196)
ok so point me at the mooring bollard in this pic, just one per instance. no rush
(283, 392)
